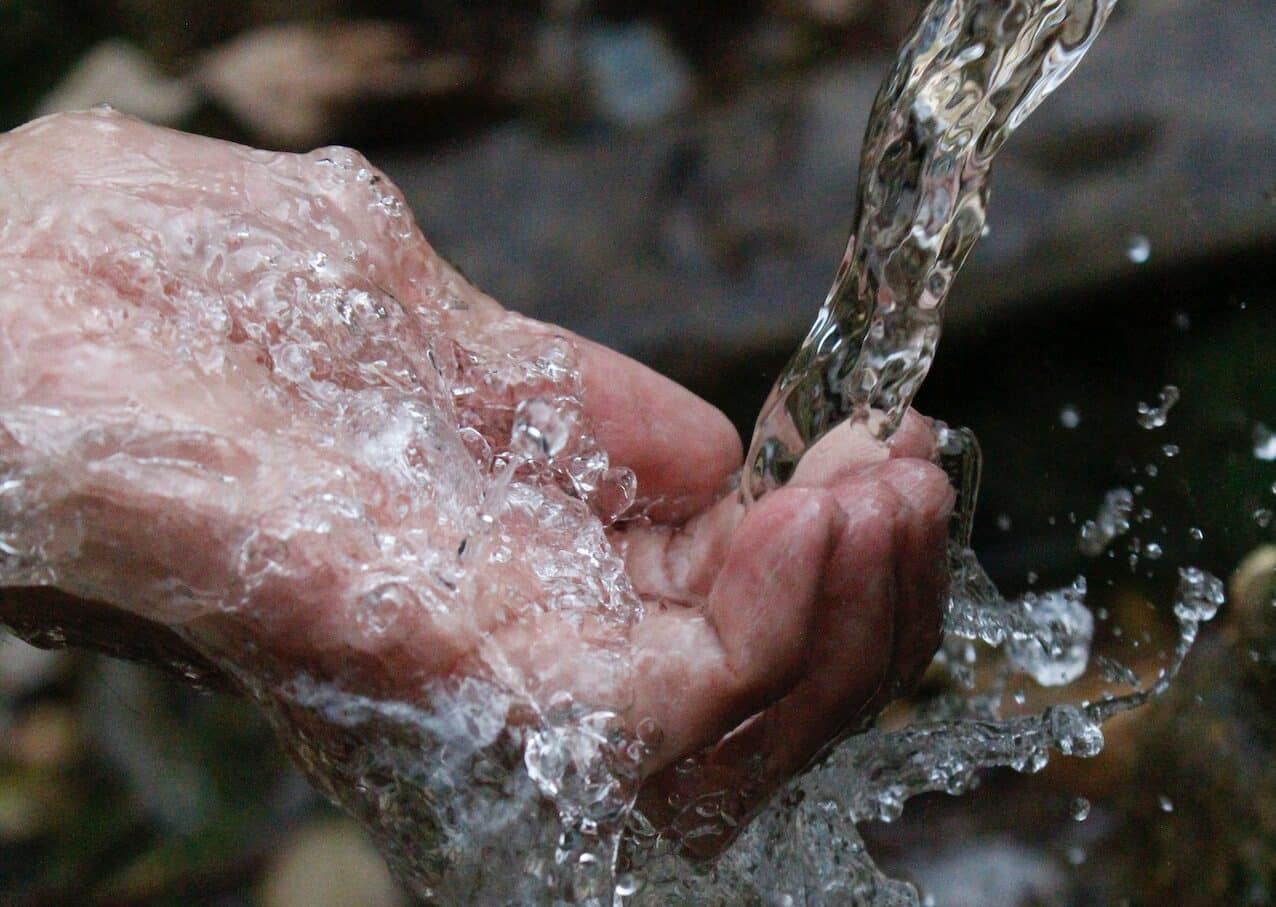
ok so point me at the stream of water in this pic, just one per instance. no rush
(968, 75)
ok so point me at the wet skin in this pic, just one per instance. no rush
(767, 631)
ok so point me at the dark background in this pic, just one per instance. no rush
(676, 179)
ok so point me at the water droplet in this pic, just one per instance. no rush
(1199, 595)
(1115, 672)
(1166, 804)
(1155, 415)
(540, 431)
(1069, 417)
(1138, 249)
(1112, 520)
(1264, 444)
(627, 885)
(1079, 808)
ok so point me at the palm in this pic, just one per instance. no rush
(242, 396)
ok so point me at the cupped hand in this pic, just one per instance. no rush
(242, 397)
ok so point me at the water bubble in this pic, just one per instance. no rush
(1264, 444)
(1153, 551)
(1069, 417)
(1199, 596)
(1155, 415)
(1166, 804)
(1003, 522)
(1079, 809)
(541, 430)
(1196, 533)
(1263, 517)
(1076, 855)
(650, 733)
(627, 884)
(1182, 321)
(1170, 450)
(1138, 249)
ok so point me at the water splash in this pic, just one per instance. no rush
(1155, 415)
(483, 790)
(1112, 521)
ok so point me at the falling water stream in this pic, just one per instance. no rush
(469, 804)
(968, 75)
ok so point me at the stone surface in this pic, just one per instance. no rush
(329, 863)
(722, 230)
(117, 73)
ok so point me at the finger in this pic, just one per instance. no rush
(922, 570)
(851, 447)
(704, 807)
(680, 564)
(875, 615)
(699, 673)
(914, 439)
(682, 449)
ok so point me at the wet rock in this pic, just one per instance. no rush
(833, 12)
(45, 738)
(25, 668)
(982, 872)
(294, 85)
(636, 77)
(723, 234)
(329, 863)
(117, 73)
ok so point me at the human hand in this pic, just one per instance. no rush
(240, 396)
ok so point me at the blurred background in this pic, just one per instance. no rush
(676, 179)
